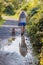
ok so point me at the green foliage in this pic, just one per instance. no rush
(25, 9)
(0, 10)
(35, 36)
(35, 27)
(34, 11)
(9, 10)
(2, 21)
(41, 24)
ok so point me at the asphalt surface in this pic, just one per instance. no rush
(5, 32)
(10, 55)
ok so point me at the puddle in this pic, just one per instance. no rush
(10, 49)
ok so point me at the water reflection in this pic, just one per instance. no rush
(6, 42)
(23, 46)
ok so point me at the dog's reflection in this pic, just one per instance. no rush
(23, 46)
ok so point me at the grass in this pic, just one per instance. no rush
(2, 21)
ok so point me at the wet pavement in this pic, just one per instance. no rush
(5, 32)
(9, 47)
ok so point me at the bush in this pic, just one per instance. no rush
(9, 10)
(35, 31)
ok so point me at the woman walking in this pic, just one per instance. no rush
(22, 21)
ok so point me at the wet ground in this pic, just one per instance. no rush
(9, 47)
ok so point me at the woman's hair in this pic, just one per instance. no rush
(22, 14)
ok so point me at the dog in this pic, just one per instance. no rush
(13, 31)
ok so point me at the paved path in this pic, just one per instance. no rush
(5, 32)
(11, 22)
(13, 26)
(10, 54)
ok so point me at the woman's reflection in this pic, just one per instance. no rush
(23, 46)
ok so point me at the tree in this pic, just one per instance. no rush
(9, 10)
(2, 7)
(0, 10)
